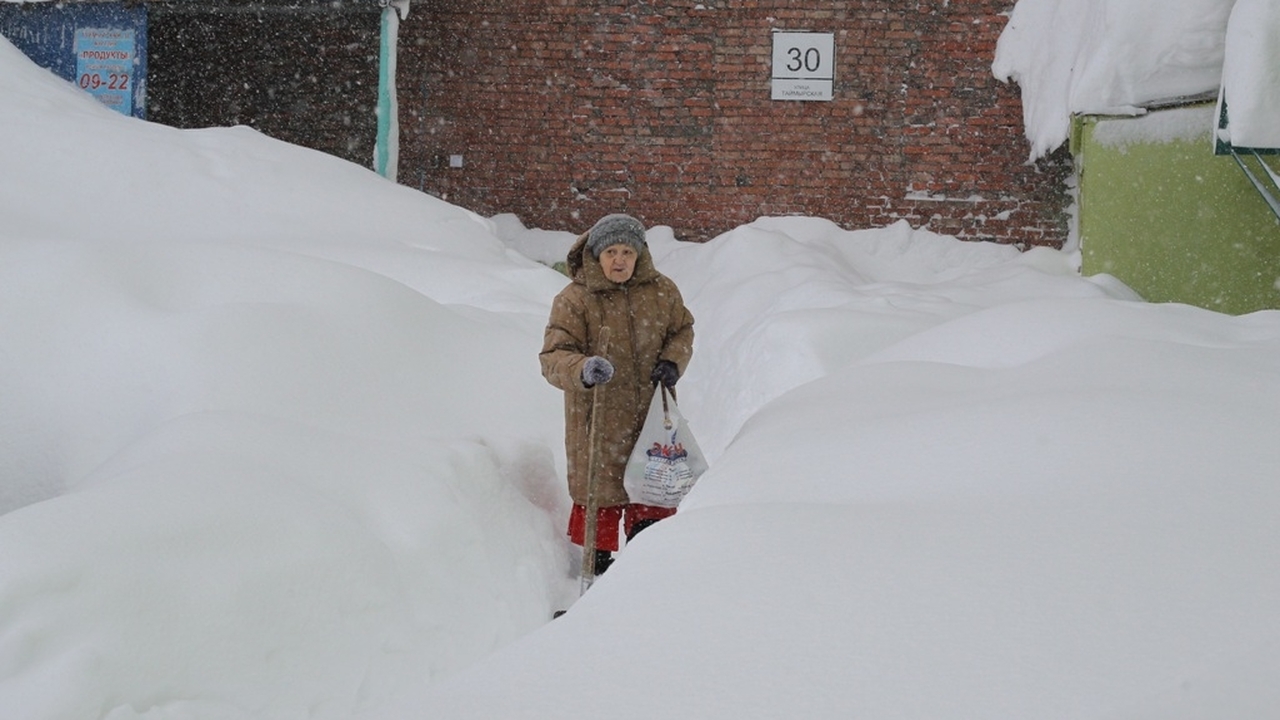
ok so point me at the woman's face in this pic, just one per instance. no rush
(618, 262)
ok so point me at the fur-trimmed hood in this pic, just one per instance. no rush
(586, 270)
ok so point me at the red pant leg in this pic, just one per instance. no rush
(607, 519)
(636, 512)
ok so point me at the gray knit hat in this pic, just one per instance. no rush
(616, 229)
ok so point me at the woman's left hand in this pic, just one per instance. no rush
(665, 372)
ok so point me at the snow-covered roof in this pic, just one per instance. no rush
(1120, 56)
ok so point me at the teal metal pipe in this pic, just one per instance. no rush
(386, 147)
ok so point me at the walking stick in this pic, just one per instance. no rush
(593, 460)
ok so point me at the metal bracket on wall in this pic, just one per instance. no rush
(1268, 188)
(1266, 181)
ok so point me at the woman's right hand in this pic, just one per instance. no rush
(596, 371)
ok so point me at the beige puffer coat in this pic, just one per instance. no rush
(647, 322)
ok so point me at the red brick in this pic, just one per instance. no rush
(664, 112)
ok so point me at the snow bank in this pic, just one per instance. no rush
(986, 488)
(273, 440)
(233, 566)
(775, 299)
(123, 180)
(274, 445)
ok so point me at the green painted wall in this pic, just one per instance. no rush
(1176, 223)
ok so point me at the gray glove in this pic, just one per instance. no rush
(596, 371)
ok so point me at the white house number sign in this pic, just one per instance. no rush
(803, 65)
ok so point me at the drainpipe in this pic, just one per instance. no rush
(386, 151)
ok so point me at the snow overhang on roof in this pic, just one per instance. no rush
(1249, 101)
(1108, 57)
(1248, 117)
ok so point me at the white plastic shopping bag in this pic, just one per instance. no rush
(666, 461)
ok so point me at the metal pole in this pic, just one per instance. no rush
(593, 460)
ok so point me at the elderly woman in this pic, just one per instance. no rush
(615, 285)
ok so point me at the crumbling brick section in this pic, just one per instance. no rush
(563, 111)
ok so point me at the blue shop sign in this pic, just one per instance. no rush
(101, 47)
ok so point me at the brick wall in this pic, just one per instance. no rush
(303, 71)
(564, 111)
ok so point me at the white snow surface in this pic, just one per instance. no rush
(1251, 74)
(1112, 57)
(1184, 124)
(274, 445)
